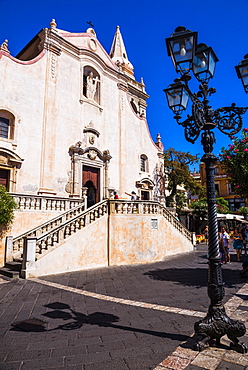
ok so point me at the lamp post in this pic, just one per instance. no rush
(188, 56)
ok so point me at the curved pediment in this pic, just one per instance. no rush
(145, 183)
(7, 156)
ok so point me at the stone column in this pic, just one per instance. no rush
(28, 263)
(84, 196)
(9, 249)
(111, 193)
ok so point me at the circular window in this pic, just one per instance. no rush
(92, 44)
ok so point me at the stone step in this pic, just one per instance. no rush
(8, 272)
(13, 265)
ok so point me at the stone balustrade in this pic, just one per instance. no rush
(52, 233)
(119, 206)
(46, 227)
(58, 234)
(28, 202)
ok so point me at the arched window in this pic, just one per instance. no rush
(143, 163)
(6, 125)
(91, 84)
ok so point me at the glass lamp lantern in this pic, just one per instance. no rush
(177, 96)
(242, 72)
(181, 48)
(204, 62)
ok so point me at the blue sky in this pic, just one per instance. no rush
(144, 26)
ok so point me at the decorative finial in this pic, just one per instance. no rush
(53, 24)
(159, 143)
(158, 138)
(5, 46)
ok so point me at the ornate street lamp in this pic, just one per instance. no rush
(201, 60)
(242, 72)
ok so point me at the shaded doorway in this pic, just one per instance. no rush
(91, 180)
(4, 178)
(145, 195)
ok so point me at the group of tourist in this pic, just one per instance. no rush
(239, 237)
(240, 240)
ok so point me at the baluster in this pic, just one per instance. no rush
(53, 205)
(123, 208)
(135, 208)
(48, 205)
(82, 222)
(67, 232)
(42, 246)
(27, 203)
(38, 204)
(32, 203)
(145, 208)
(129, 207)
(21, 204)
(118, 207)
(77, 225)
(49, 242)
(62, 205)
(72, 228)
(55, 238)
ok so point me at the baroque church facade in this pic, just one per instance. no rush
(73, 131)
(73, 117)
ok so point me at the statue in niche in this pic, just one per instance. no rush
(91, 84)
(91, 140)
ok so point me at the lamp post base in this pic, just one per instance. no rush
(217, 324)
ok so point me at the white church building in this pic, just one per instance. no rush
(73, 132)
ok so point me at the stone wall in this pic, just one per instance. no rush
(115, 239)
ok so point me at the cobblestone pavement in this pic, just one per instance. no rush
(138, 317)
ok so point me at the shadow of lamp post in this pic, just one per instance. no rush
(188, 56)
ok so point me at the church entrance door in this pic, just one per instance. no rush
(91, 180)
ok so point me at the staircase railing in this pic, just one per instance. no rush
(18, 242)
(58, 234)
(119, 206)
(50, 234)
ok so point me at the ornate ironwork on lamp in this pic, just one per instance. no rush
(201, 60)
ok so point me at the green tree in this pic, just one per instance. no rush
(222, 205)
(243, 211)
(200, 207)
(234, 161)
(7, 207)
(181, 201)
(177, 173)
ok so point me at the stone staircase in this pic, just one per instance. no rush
(48, 236)
(11, 269)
